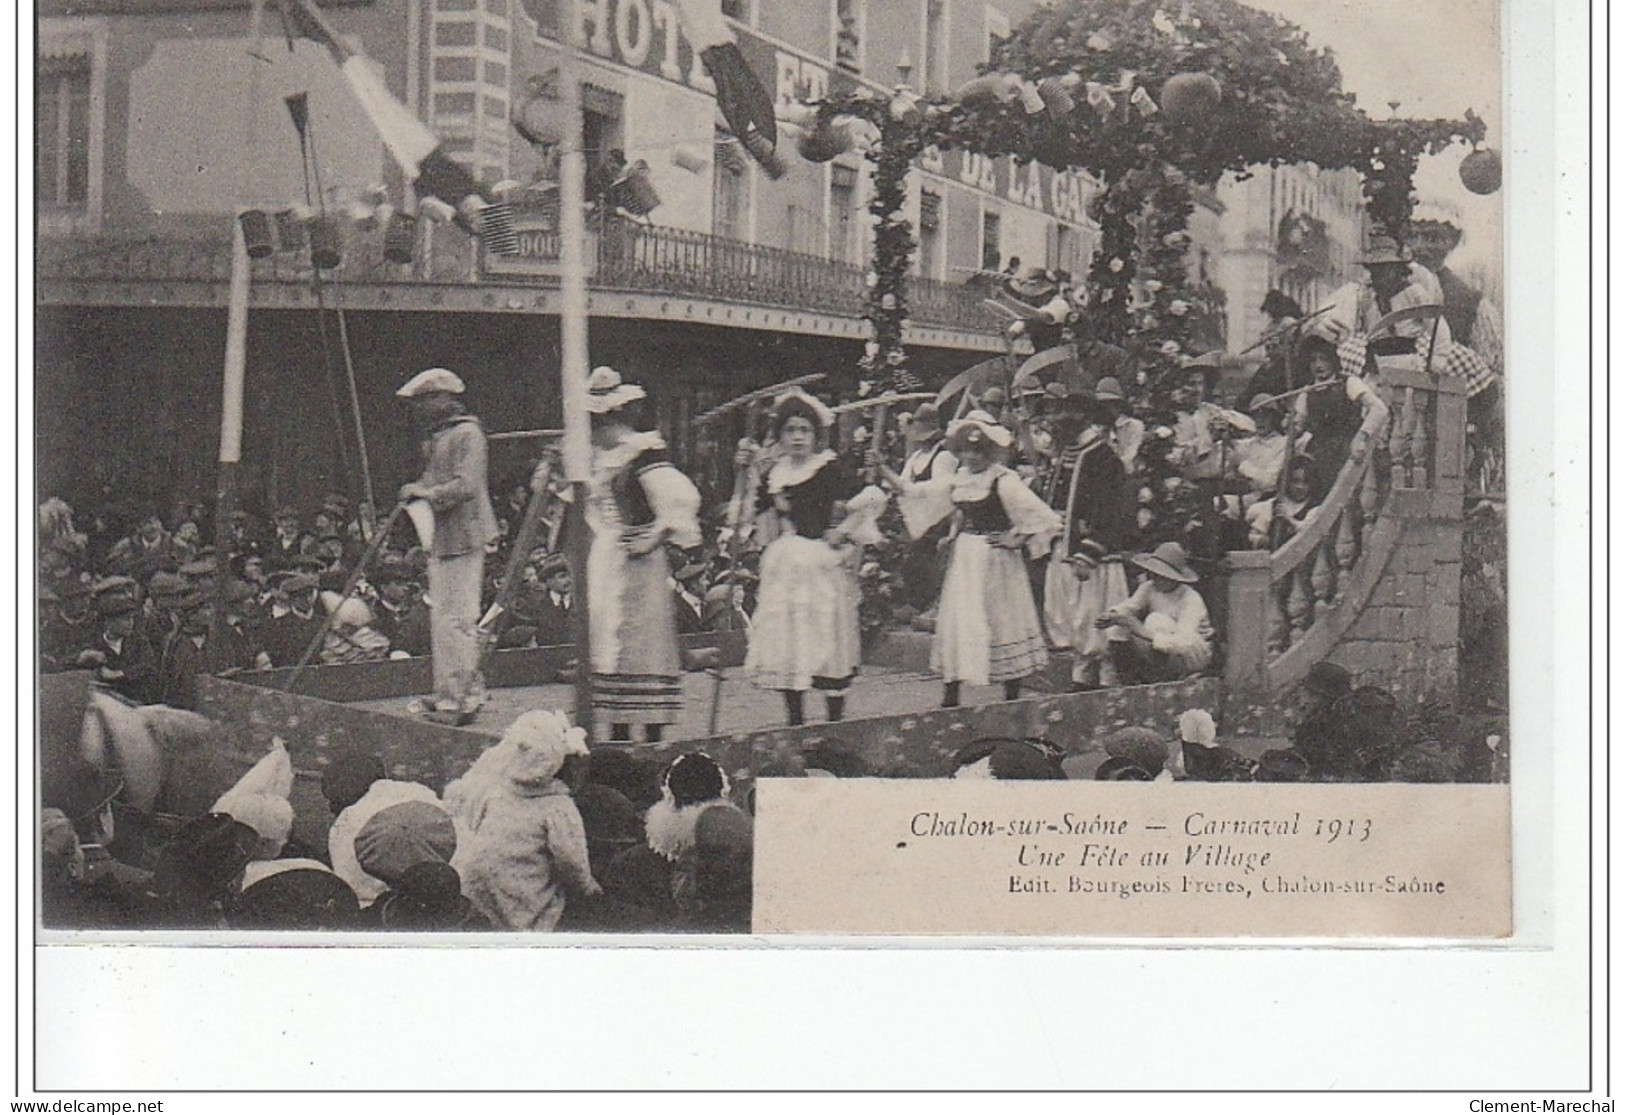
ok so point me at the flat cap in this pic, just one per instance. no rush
(435, 379)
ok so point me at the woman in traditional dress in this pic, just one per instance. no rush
(636, 502)
(987, 624)
(804, 634)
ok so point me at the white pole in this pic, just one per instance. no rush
(573, 348)
(572, 255)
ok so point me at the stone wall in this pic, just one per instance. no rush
(1405, 639)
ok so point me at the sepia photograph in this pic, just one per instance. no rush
(525, 447)
(655, 472)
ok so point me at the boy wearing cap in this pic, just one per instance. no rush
(455, 485)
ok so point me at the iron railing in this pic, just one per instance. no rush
(626, 257)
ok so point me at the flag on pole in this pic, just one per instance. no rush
(417, 150)
(742, 98)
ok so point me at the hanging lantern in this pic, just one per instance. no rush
(1056, 96)
(635, 191)
(256, 226)
(326, 243)
(541, 118)
(1481, 171)
(1190, 98)
(290, 227)
(497, 229)
(400, 238)
(824, 141)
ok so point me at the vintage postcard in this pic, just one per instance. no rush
(737, 467)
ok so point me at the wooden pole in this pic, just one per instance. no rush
(231, 389)
(573, 348)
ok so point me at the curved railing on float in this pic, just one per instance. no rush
(1290, 608)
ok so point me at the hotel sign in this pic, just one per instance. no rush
(646, 36)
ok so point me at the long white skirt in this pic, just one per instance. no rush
(806, 621)
(987, 624)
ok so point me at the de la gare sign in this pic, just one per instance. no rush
(646, 36)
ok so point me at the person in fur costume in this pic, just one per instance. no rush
(526, 852)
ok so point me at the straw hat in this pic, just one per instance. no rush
(1168, 560)
(978, 425)
(606, 391)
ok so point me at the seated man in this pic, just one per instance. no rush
(1166, 620)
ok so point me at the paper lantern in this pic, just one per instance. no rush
(1057, 98)
(326, 243)
(400, 238)
(257, 237)
(290, 230)
(1190, 98)
(1481, 171)
(497, 229)
(635, 191)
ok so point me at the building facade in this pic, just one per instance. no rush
(160, 119)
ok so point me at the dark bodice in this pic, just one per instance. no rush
(809, 506)
(985, 515)
(630, 498)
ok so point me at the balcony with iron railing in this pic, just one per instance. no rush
(625, 257)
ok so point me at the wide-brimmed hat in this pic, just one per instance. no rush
(1262, 401)
(606, 391)
(429, 381)
(1384, 249)
(1210, 361)
(978, 425)
(1168, 560)
(551, 564)
(1108, 390)
(796, 401)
